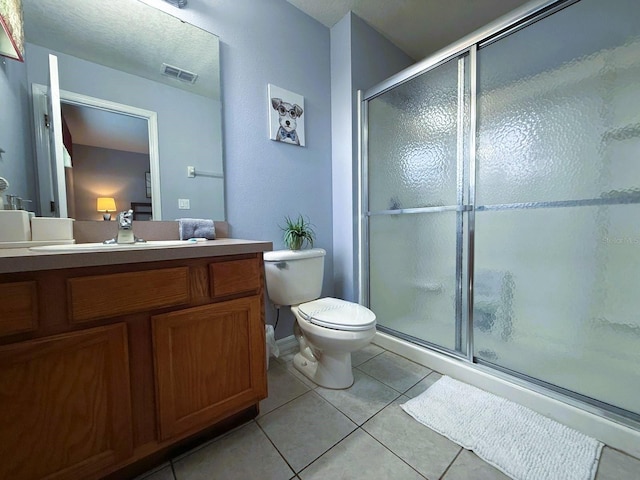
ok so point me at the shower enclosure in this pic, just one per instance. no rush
(501, 201)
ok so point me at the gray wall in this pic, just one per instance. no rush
(262, 42)
(104, 172)
(187, 128)
(360, 58)
(270, 41)
(16, 164)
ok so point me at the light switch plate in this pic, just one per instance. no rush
(183, 204)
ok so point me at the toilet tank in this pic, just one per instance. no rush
(294, 276)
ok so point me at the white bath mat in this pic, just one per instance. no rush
(516, 440)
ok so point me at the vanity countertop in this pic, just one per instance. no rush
(13, 260)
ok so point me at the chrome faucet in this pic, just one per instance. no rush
(125, 229)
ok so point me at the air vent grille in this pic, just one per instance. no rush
(178, 73)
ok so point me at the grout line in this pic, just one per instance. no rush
(206, 443)
(335, 407)
(371, 358)
(386, 406)
(394, 454)
(452, 462)
(620, 452)
(327, 450)
(379, 381)
(262, 415)
(295, 474)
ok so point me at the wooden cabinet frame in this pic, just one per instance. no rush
(157, 398)
(209, 362)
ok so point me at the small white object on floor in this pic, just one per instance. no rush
(516, 440)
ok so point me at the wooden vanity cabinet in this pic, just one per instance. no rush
(66, 404)
(18, 301)
(93, 381)
(208, 363)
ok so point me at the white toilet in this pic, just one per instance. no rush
(327, 329)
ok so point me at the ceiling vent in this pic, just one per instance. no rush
(178, 73)
(177, 3)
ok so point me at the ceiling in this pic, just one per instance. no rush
(98, 31)
(102, 35)
(101, 128)
(418, 27)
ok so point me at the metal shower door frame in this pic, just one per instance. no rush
(504, 26)
(467, 46)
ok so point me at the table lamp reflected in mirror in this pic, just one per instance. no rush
(106, 205)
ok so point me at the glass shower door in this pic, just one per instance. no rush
(415, 171)
(557, 245)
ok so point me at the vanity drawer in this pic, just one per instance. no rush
(103, 296)
(19, 304)
(235, 276)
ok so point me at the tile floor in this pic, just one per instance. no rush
(311, 433)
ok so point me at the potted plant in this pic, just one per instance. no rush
(297, 233)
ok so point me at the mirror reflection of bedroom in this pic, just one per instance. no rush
(106, 156)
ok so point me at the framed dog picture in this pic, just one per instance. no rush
(286, 116)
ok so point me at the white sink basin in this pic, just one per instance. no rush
(101, 247)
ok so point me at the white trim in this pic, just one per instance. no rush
(84, 100)
(59, 182)
(287, 345)
(43, 150)
(611, 433)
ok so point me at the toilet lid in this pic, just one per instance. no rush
(338, 314)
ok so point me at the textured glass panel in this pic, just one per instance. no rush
(556, 297)
(413, 142)
(559, 107)
(413, 274)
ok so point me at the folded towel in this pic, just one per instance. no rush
(196, 228)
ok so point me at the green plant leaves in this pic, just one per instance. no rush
(298, 232)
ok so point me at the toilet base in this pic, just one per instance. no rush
(333, 371)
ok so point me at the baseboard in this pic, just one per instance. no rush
(287, 345)
(607, 431)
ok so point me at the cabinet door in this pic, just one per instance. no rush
(209, 362)
(65, 403)
(19, 307)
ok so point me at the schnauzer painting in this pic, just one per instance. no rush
(286, 116)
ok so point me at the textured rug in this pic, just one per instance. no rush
(516, 440)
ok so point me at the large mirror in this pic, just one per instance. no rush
(141, 109)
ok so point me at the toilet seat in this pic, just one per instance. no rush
(337, 314)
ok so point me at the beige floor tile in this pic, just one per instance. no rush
(162, 472)
(284, 358)
(366, 397)
(286, 361)
(367, 353)
(245, 453)
(396, 371)
(425, 450)
(283, 387)
(300, 376)
(313, 429)
(468, 466)
(305, 428)
(615, 465)
(423, 385)
(359, 457)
